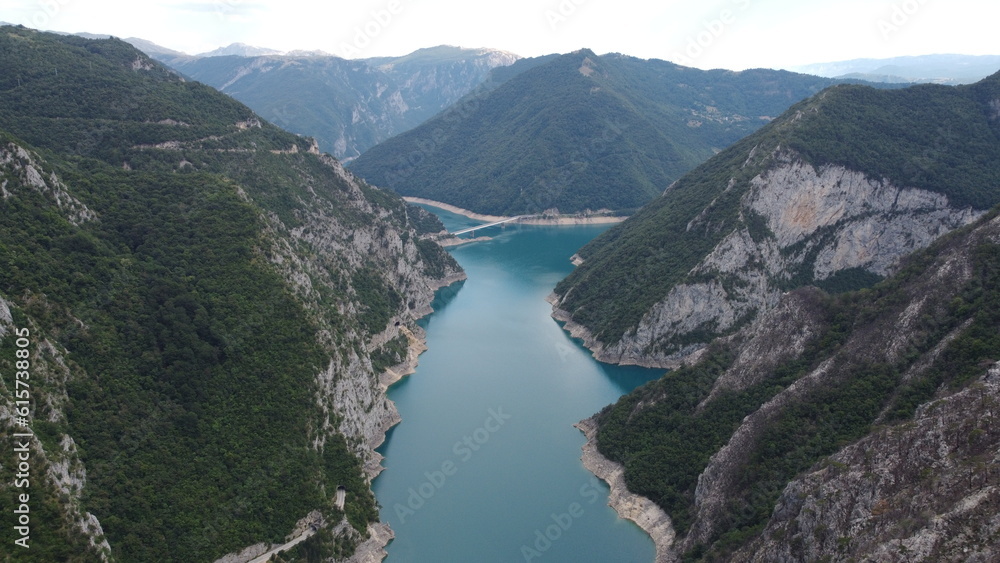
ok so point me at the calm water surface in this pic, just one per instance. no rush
(486, 463)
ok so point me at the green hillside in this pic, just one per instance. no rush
(348, 106)
(799, 406)
(938, 138)
(145, 237)
(580, 132)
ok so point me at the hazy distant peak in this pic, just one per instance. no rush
(313, 53)
(241, 50)
(447, 53)
(86, 35)
(946, 68)
(151, 48)
(454, 49)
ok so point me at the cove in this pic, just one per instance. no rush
(485, 465)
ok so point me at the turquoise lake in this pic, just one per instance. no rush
(485, 465)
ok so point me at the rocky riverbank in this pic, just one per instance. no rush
(644, 512)
(600, 352)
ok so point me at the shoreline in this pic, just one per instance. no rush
(541, 221)
(417, 340)
(596, 347)
(381, 533)
(455, 209)
(455, 241)
(630, 506)
(417, 344)
(646, 514)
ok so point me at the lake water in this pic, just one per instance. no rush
(486, 463)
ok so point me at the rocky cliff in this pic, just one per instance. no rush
(811, 224)
(832, 193)
(856, 427)
(350, 387)
(926, 490)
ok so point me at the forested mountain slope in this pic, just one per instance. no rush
(348, 106)
(209, 301)
(580, 131)
(832, 193)
(852, 427)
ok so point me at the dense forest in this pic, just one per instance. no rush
(578, 132)
(143, 227)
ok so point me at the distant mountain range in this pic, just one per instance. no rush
(579, 131)
(348, 106)
(240, 50)
(940, 69)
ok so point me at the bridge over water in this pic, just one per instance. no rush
(493, 224)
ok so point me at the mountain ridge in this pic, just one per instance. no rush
(577, 132)
(239, 50)
(211, 303)
(832, 409)
(347, 105)
(743, 227)
(950, 69)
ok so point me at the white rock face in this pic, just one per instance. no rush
(874, 222)
(779, 334)
(65, 473)
(25, 167)
(890, 459)
(6, 320)
(822, 221)
(350, 390)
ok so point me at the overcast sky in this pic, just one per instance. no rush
(734, 34)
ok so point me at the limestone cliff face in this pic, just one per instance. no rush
(872, 222)
(924, 489)
(22, 168)
(57, 470)
(883, 340)
(351, 394)
(796, 224)
(351, 390)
